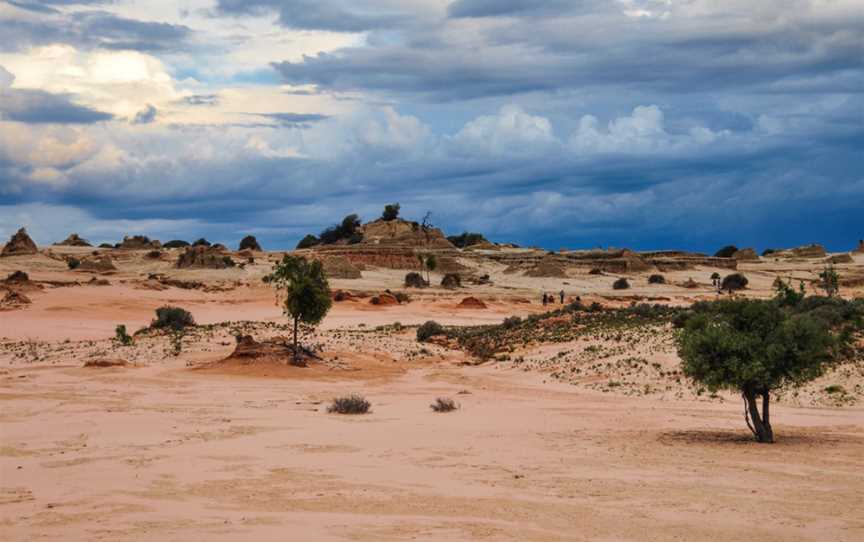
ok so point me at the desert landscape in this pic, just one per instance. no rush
(559, 418)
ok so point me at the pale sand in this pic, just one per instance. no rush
(161, 452)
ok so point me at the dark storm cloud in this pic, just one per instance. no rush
(336, 16)
(40, 107)
(47, 6)
(92, 29)
(295, 120)
(494, 8)
(146, 115)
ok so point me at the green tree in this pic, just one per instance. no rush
(308, 242)
(391, 212)
(754, 347)
(829, 280)
(303, 290)
(429, 263)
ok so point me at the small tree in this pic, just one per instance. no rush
(391, 212)
(829, 281)
(726, 252)
(428, 262)
(302, 288)
(753, 347)
(735, 281)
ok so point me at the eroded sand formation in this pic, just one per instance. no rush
(568, 428)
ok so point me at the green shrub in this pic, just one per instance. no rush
(351, 404)
(121, 336)
(73, 263)
(228, 261)
(735, 281)
(428, 330)
(415, 280)
(512, 322)
(444, 404)
(656, 279)
(176, 243)
(621, 284)
(467, 239)
(391, 212)
(172, 318)
(595, 271)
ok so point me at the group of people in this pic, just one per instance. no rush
(550, 298)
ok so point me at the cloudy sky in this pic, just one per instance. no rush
(561, 123)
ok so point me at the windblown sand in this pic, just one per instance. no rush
(186, 448)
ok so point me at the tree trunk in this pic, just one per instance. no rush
(761, 430)
(766, 417)
(296, 351)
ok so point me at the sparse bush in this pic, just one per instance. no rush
(735, 281)
(467, 239)
(428, 330)
(511, 322)
(176, 243)
(351, 404)
(726, 252)
(451, 280)
(106, 245)
(595, 271)
(415, 280)
(444, 404)
(173, 318)
(656, 279)
(402, 297)
(770, 251)
(621, 284)
(73, 263)
(201, 243)
(228, 261)
(154, 254)
(121, 336)
(308, 242)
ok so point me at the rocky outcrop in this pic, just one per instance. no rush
(13, 300)
(472, 303)
(203, 257)
(840, 258)
(101, 264)
(384, 299)
(139, 242)
(860, 247)
(745, 254)
(20, 244)
(809, 251)
(73, 241)
(338, 267)
(402, 232)
(549, 266)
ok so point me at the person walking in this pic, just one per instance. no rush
(561, 293)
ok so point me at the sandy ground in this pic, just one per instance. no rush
(175, 448)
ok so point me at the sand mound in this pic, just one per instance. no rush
(105, 363)
(745, 254)
(17, 277)
(337, 267)
(102, 264)
(74, 241)
(548, 267)
(402, 232)
(19, 244)
(19, 281)
(451, 280)
(384, 299)
(690, 283)
(139, 242)
(278, 350)
(203, 257)
(14, 300)
(472, 303)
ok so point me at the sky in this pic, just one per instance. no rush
(646, 124)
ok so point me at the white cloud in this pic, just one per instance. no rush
(510, 131)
